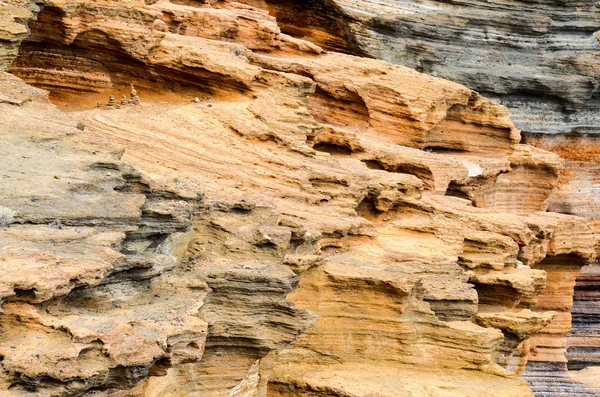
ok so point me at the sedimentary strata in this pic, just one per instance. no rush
(540, 59)
(270, 220)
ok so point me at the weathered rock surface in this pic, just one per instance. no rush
(577, 194)
(14, 17)
(313, 224)
(540, 59)
(85, 297)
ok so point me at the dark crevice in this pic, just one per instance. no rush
(333, 149)
(269, 245)
(367, 209)
(421, 172)
(160, 367)
(322, 22)
(347, 110)
(560, 261)
(442, 149)
(456, 190)
(497, 295)
(24, 294)
(374, 164)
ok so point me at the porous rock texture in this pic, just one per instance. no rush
(578, 193)
(272, 219)
(541, 59)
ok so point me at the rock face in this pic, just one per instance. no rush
(271, 220)
(14, 17)
(541, 59)
(577, 193)
(88, 300)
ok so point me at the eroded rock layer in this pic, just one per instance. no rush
(258, 217)
(14, 17)
(577, 194)
(540, 59)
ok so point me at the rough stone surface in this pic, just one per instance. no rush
(577, 194)
(316, 224)
(14, 16)
(541, 59)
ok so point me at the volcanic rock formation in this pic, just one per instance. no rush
(314, 224)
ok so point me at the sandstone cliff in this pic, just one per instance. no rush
(272, 220)
(539, 58)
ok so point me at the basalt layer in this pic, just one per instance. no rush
(271, 220)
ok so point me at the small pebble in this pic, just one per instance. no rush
(196, 99)
(210, 105)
